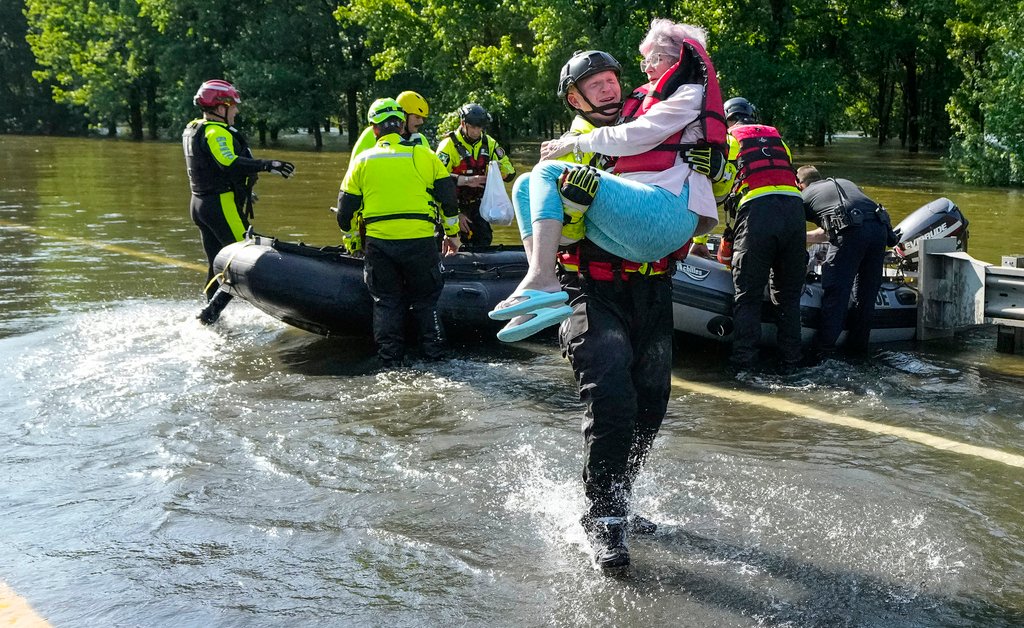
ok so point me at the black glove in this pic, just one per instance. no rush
(283, 168)
(893, 237)
(706, 160)
(579, 187)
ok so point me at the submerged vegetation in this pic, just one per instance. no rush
(931, 74)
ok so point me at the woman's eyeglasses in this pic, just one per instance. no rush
(651, 60)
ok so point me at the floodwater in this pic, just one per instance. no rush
(159, 473)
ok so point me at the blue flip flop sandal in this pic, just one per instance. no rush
(540, 319)
(531, 300)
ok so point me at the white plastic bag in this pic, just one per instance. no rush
(496, 206)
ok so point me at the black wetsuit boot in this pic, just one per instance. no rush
(209, 314)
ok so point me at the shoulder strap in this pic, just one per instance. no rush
(459, 147)
(843, 199)
(632, 103)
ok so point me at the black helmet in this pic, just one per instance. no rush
(585, 63)
(474, 114)
(741, 109)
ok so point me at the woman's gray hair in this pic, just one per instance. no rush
(667, 36)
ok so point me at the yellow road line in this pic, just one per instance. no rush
(107, 247)
(815, 414)
(15, 611)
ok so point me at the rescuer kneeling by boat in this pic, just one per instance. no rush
(615, 235)
(394, 187)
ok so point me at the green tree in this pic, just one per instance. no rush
(908, 68)
(987, 110)
(25, 104)
(290, 61)
(294, 81)
(195, 37)
(98, 55)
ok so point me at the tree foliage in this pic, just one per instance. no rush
(986, 110)
(97, 54)
(934, 74)
(25, 103)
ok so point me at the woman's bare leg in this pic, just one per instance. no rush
(541, 248)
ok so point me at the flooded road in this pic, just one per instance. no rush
(159, 473)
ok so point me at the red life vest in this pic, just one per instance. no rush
(694, 67)
(469, 166)
(588, 260)
(763, 159)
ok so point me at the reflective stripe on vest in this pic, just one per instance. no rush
(395, 187)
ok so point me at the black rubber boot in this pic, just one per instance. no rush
(641, 525)
(607, 537)
(209, 314)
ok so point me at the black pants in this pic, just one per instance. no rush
(481, 232)
(619, 342)
(404, 276)
(857, 256)
(770, 242)
(208, 212)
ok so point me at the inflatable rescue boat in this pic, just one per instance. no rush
(321, 290)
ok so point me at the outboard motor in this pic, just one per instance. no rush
(939, 219)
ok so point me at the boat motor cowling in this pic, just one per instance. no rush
(940, 218)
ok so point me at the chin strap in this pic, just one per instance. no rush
(610, 109)
(213, 112)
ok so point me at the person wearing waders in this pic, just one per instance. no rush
(221, 175)
(616, 237)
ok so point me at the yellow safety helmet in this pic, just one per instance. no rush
(384, 108)
(413, 103)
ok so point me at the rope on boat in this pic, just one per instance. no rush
(219, 276)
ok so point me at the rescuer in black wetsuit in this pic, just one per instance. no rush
(221, 175)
